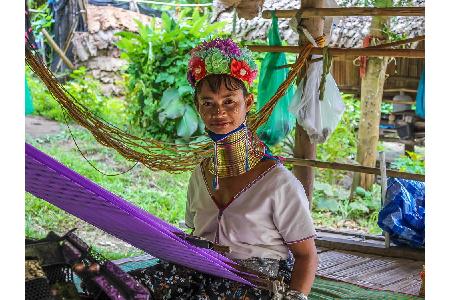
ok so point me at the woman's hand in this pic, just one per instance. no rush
(305, 266)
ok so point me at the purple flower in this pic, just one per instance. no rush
(226, 46)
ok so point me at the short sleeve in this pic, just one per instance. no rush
(291, 211)
(189, 213)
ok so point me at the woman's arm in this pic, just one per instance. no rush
(305, 265)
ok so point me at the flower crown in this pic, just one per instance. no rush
(221, 56)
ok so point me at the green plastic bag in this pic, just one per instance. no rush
(28, 99)
(281, 121)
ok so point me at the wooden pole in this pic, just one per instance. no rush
(308, 12)
(303, 148)
(344, 52)
(67, 42)
(57, 49)
(83, 11)
(387, 239)
(351, 168)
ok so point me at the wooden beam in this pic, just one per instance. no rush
(398, 43)
(344, 52)
(410, 102)
(352, 168)
(58, 50)
(346, 11)
(400, 90)
(404, 142)
(370, 248)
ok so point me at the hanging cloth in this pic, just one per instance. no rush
(420, 97)
(28, 99)
(280, 122)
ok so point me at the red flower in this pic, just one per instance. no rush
(241, 70)
(197, 68)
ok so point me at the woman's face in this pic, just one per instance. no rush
(223, 111)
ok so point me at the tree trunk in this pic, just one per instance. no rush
(303, 147)
(371, 98)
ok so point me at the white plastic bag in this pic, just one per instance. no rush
(319, 118)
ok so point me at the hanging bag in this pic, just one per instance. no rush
(318, 117)
(281, 121)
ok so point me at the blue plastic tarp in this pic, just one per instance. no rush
(403, 216)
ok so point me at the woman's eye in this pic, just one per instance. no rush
(206, 103)
(228, 101)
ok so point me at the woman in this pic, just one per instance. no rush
(242, 197)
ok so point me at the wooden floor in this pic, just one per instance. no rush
(371, 271)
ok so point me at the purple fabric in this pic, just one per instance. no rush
(49, 180)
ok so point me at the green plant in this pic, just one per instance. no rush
(85, 89)
(336, 200)
(411, 163)
(341, 145)
(40, 19)
(160, 97)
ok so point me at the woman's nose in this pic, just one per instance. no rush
(218, 110)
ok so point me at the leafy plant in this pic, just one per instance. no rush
(411, 163)
(160, 97)
(85, 89)
(334, 199)
(40, 19)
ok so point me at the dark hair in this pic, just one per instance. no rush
(215, 81)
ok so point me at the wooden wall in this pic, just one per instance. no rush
(403, 73)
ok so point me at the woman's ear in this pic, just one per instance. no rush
(249, 100)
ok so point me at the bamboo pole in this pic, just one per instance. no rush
(352, 168)
(345, 52)
(346, 11)
(57, 49)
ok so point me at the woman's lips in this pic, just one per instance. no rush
(219, 124)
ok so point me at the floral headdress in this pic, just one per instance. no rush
(221, 56)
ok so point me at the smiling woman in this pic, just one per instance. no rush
(259, 211)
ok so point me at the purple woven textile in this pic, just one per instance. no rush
(53, 182)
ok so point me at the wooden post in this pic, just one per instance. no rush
(58, 50)
(303, 147)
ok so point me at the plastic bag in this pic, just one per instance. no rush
(403, 217)
(281, 121)
(319, 118)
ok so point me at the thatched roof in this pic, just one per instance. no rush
(349, 32)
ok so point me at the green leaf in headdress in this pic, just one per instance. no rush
(216, 62)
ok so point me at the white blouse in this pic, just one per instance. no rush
(271, 212)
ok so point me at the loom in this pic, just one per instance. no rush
(53, 182)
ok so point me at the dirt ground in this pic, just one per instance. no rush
(36, 126)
